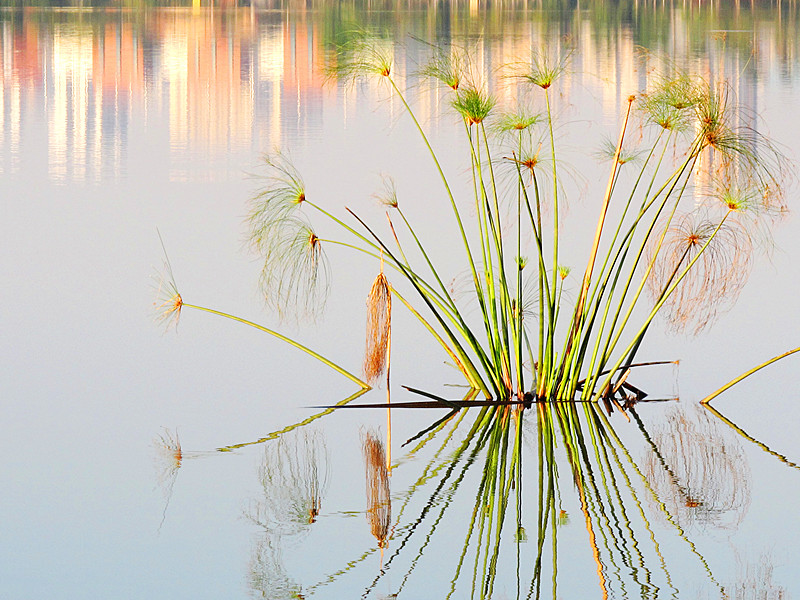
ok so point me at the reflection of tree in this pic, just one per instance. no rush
(699, 472)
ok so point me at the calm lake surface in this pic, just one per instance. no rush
(116, 123)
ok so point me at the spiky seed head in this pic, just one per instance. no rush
(563, 272)
(669, 100)
(528, 161)
(361, 56)
(449, 66)
(608, 150)
(295, 272)
(522, 262)
(168, 303)
(544, 69)
(516, 121)
(275, 201)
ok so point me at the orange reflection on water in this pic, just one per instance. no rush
(242, 80)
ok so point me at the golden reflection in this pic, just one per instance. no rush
(379, 502)
(241, 80)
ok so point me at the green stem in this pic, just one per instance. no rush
(290, 341)
(733, 382)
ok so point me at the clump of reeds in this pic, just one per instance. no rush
(379, 502)
(692, 255)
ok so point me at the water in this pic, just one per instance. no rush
(115, 123)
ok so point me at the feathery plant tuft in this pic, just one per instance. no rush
(361, 56)
(545, 68)
(449, 66)
(295, 273)
(473, 104)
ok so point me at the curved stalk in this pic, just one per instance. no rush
(288, 340)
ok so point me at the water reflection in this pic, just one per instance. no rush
(379, 501)
(294, 479)
(170, 457)
(502, 482)
(226, 81)
(698, 470)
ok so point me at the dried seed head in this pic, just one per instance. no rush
(379, 323)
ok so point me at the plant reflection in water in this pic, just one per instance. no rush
(169, 458)
(698, 470)
(379, 502)
(510, 478)
(293, 478)
(510, 500)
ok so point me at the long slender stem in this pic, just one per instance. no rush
(733, 382)
(282, 337)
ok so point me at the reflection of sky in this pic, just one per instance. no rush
(162, 116)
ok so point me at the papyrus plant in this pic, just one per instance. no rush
(676, 245)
